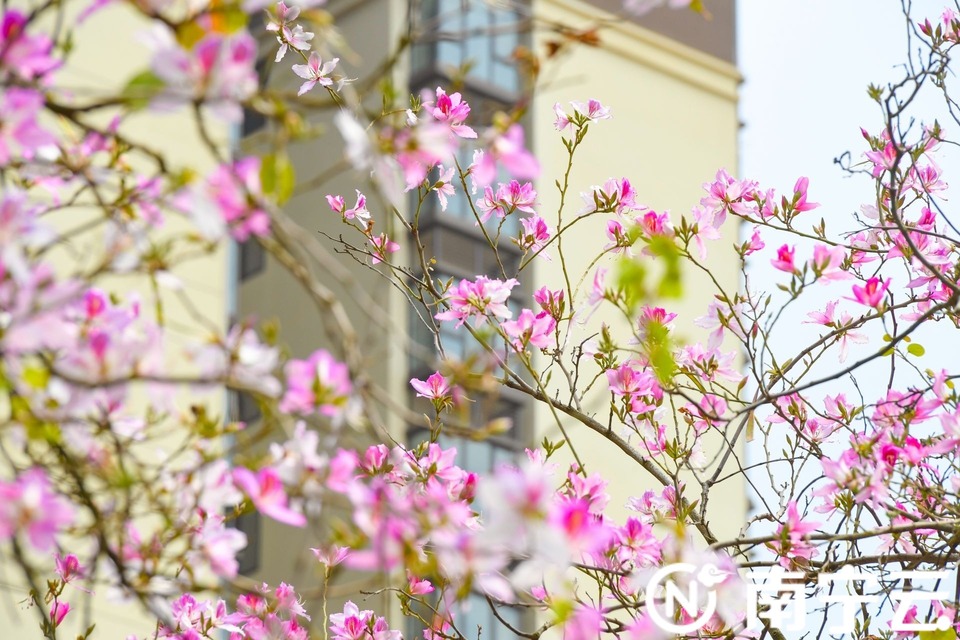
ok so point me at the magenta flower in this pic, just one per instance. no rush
(382, 247)
(536, 330)
(453, 110)
(416, 586)
(800, 204)
(871, 293)
(25, 56)
(784, 259)
(550, 300)
(315, 72)
(352, 624)
(435, 387)
(265, 490)
(792, 545)
(59, 611)
(68, 567)
(755, 243)
(535, 235)
(359, 210)
(477, 300)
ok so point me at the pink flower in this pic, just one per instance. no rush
(754, 244)
(491, 204)
(59, 611)
(444, 186)
(218, 545)
(551, 301)
(528, 328)
(315, 72)
(30, 505)
(21, 134)
(416, 586)
(319, 383)
(478, 299)
(68, 567)
(791, 545)
(535, 234)
(352, 624)
(828, 262)
(382, 247)
(421, 148)
(871, 293)
(453, 110)
(583, 114)
(799, 203)
(25, 56)
(218, 71)
(265, 490)
(593, 110)
(359, 210)
(435, 387)
(294, 37)
(615, 195)
(227, 200)
(826, 318)
(883, 160)
(784, 259)
(518, 196)
(332, 556)
(508, 150)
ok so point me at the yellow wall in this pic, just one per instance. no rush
(107, 53)
(674, 124)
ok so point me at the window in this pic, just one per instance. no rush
(474, 35)
(254, 121)
(482, 457)
(457, 342)
(244, 408)
(252, 258)
(476, 40)
(249, 557)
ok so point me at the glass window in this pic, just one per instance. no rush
(472, 33)
(253, 258)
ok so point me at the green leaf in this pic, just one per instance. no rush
(631, 276)
(916, 350)
(939, 634)
(36, 377)
(277, 176)
(671, 285)
(141, 89)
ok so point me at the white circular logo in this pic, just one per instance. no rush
(664, 593)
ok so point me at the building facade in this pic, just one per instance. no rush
(671, 81)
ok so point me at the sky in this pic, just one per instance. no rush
(806, 65)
